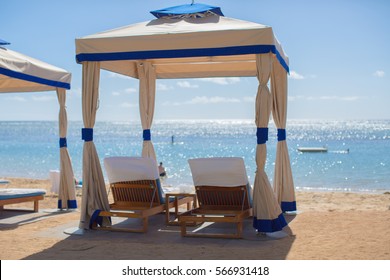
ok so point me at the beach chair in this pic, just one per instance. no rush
(136, 191)
(223, 193)
(14, 195)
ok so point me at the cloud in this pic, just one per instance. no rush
(212, 100)
(221, 81)
(296, 76)
(324, 98)
(250, 99)
(379, 73)
(186, 84)
(116, 75)
(163, 87)
(115, 93)
(17, 98)
(204, 100)
(75, 92)
(128, 105)
(131, 90)
(44, 98)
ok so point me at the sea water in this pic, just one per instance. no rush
(358, 157)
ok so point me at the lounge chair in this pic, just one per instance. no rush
(136, 191)
(223, 193)
(13, 196)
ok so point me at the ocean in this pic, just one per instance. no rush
(358, 157)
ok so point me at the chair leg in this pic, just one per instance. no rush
(36, 205)
(239, 229)
(183, 229)
(145, 224)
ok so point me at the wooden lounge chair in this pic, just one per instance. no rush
(13, 196)
(223, 194)
(136, 191)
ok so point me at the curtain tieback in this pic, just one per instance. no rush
(87, 134)
(281, 134)
(147, 136)
(63, 143)
(262, 135)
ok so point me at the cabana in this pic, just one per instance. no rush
(191, 41)
(20, 73)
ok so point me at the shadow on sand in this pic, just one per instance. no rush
(163, 242)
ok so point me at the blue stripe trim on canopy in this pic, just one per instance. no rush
(289, 206)
(270, 225)
(34, 79)
(254, 49)
(146, 135)
(281, 134)
(63, 143)
(262, 135)
(87, 134)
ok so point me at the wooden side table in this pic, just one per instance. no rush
(189, 198)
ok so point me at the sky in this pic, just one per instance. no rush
(338, 51)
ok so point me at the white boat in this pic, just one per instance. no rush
(313, 149)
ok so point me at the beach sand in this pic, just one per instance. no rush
(329, 225)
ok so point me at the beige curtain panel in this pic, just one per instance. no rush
(67, 192)
(267, 215)
(94, 195)
(283, 179)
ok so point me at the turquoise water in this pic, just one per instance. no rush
(30, 149)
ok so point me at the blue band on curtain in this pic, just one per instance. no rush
(87, 134)
(147, 136)
(281, 134)
(288, 206)
(262, 135)
(63, 143)
(95, 218)
(72, 204)
(270, 225)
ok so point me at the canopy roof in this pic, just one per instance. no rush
(20, 73)
(191, 10)
(210, 46)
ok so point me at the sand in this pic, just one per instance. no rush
(328, 226)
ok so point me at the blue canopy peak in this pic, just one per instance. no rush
(2, 42)
(190, 10)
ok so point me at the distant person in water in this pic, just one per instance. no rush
(161, 170)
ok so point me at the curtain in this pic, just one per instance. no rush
(67, 193)
(94, 197)
(283, 180)
(147, 91)
(267, 215)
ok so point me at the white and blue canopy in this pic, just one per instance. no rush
(21, 73)
(211, 46)
(190, 41)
